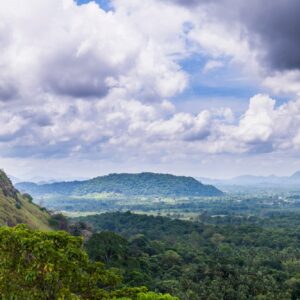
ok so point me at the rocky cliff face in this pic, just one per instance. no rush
(7, 187)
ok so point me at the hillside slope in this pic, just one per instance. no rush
(142, 184)
(16, 208)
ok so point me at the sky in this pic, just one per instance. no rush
(204, 88)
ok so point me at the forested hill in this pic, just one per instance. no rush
(16, 208)
(240, 259)
(142, 184)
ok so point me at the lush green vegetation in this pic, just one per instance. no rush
(236, 202)
(238, 258)
(238, 246)
(143, 184)
(16, 208)
(52, 265)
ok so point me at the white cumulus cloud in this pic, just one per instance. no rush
(78, 81)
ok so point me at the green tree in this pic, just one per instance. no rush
(53, 265)
(106, 246)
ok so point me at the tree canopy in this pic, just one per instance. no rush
(53, 265)
(249, 258)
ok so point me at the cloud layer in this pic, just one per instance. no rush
(272, 25)
(78, 81)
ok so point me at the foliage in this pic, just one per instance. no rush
(107, 246)
(28, 197)
(59, 222)
(252, 258)
(53, 265)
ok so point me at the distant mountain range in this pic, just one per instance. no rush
(142, 184)
(43, 180)
(259, 181)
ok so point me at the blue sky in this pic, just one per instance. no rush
(166, 86)
(103, 3)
